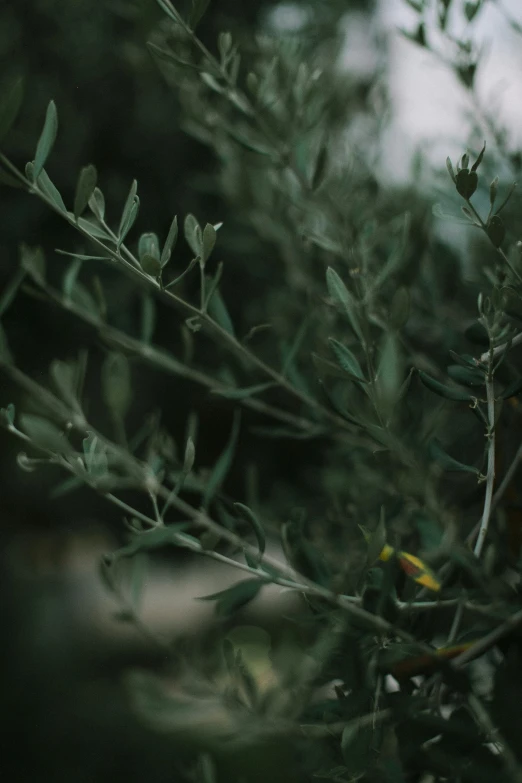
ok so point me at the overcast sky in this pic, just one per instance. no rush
(429, 104)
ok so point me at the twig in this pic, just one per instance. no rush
(517, 339)
(490, 480)
(486, 642)
(211, 326)
(149, 483)
(162, 360)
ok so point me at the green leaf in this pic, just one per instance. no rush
(149, 254)
(466, 183)
(64, 376)
(389, 371)
(287, 432)
(346, 359)
(209, 240)
(69, 278)
(81, 297)
(339, 292)
(193, 235)
(10, 103)
(206, 769)
(479, 159)
(438, 454)
(256, 526)
(247, 391)
(189, 456)
(95, 456)
(466, 375)
(320, 167)
(471, 9)
(84, 189)
(170, 242)
(9, 293)
(224, 45)
(152, 539)
(306, 558)
(97, 204)
(198, 9)
(91, 228)
(44, 433)
(450, 169)
(464, 359)
(493, 189)
(130, 212)
(46, 140)
(233, 598)
(116, 384)
(148, 244)
(222, 465)
(9, 414)
(496, 230)
(443, 391)
(49, 189)
(32, 261)
(218, 311)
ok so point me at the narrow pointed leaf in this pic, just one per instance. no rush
(97, 203)
(44, 433)
(130, 211)
(152, 539)
(217, 310)
(170, 242)
(346, 359)
(84, 189)
(193, 235)
(443, 391)
(50, 190)
(339, 292)
(440, 456)
(209, 240)
(247, 391)
(233, 598)
(256, 526)
(46, 140)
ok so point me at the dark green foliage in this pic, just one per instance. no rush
(249, 396)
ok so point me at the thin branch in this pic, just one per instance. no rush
(486, 642)
(490, 479)
(517, 339)
(149, 483)
(164, 361)
(210, 326)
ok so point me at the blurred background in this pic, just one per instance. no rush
(66, 714)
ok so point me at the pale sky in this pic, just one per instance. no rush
(428, 102)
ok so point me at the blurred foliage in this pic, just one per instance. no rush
(248, 341)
